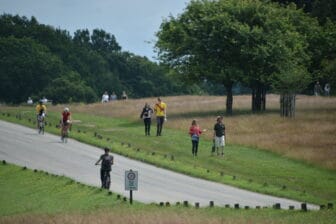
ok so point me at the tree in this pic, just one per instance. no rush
(69, 88)
(228, 41)
(104, 42)
(25, 68)
(203, 43)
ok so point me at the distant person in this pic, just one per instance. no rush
(45, 100)
(113, 96)
(219, 136)
(106, 167)
(124, 95)
(146, 115)
(327, 89)
(30, 101)
(105, 97)
(194, 132)
(317, 89)
(160, 110)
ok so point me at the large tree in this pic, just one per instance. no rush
(227, 41)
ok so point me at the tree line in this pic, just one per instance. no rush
(278, 46)
(38, 60)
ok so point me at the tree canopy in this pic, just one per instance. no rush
(38, 60)
(261, 44)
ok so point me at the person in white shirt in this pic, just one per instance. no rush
(105, 97)
(30, 101)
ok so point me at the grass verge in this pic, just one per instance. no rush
(244, 167)
(37, 197)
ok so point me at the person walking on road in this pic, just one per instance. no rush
(160, 110)
(219, 135)
(194, 132)
(146, 115)
(106, 167)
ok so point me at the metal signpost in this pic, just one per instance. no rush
(131, 182)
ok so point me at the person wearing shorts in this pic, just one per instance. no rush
(219, 136)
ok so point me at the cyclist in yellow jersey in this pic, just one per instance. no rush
(41, 111)
(160, 110)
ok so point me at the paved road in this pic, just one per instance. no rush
(25, 147)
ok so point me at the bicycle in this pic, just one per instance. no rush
(41, 124)
(65, 132)
(105, 178)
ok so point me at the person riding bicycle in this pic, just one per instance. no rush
(41, 111)
(106, 167)
(65, 121)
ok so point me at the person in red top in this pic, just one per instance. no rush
(65, 121)
(194, 132)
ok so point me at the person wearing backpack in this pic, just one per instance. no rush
(146, 115)
(106, 167)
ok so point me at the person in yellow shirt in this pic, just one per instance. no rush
(41, 111)
(160, 110)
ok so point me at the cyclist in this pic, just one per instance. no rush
(41, 111)
(65, 122)
(107, 162)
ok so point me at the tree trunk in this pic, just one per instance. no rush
(287, 104)
(258, 98)
(229, 98)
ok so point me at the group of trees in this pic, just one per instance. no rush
(37, 60)
(282, 46)
(264, 45)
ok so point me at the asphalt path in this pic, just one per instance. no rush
(25, 147)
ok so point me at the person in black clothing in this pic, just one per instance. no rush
(219, 135)
(106, 165)
(146, 115)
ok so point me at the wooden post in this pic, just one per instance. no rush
(131, 197)
(304, 207)
(330, 205)
(277, 206)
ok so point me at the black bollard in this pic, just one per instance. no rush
(277, 206)
(330, 205)
(304, 207)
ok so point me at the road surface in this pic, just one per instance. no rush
(25, 147)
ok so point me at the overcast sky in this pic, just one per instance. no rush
(132, 22)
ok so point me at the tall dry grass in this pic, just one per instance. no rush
(311, 136)
(151, 217)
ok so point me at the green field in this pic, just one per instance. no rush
(244, 167)
(38, 197)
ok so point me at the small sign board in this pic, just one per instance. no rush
(131, 180)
